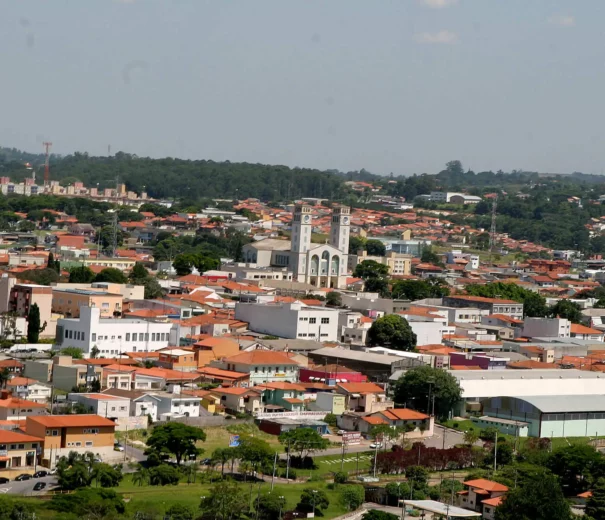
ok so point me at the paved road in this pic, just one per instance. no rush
(26, 487)
(444, 437)
(134, 454)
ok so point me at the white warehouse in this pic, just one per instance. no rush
(113, 336)
(290, 320)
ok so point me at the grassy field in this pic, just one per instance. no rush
(332, 463)
(161, 498)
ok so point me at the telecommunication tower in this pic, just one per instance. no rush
(47, 146)
(492, 230)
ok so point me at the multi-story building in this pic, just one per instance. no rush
(263, 366)
(15, 409)
(21, 451)
(127, 290)
(546, 328)
(105, 405)
(283, 396)
(69, 301)
(24, 296)
(112, 336)
(142, 404)
(80, 433)
(68, 375)
(399, 264)
(364, 397)
(290, 320)
(488, 305)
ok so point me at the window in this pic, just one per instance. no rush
(65, 334)
(105, 305)
(13, 447)
(153, 336)
(312, 320)
(128, 336)
(93, 336)
(88, 443)
(147, 336)
(21, 447)
(325, 320)
(55, 433)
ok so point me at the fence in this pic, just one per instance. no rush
(209, 420)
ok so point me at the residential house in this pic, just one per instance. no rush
(69, 301)
(176, 404)
(364, 397)
(105, 405)
(30, 389)
(80, 433)
(68, 375)
(15, 409)
(587, 333)
(210, 402)
(141, 403)
(240, 400)
(19, 451)
(12, 366)
(175, 358)
(211, 349)
(487, 305)
(418, 425)
(224, 377)
(263, 366)
(282, 396)
(477, 492)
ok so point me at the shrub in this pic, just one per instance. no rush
(340, 477)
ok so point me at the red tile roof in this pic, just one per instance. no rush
(359, 388)
(487, 485)
(71, 421)
(261, 357)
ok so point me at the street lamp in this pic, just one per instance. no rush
(281, 503)
(314, 495)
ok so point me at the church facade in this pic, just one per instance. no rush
(321, 265)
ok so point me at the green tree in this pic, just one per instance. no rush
(429, 256)
(226, 501)
(164, 475)
(352, 496)
(153, 289)
(356, 244)
(183, 265)
(25, 226)
(255, 451)
(334, 299)
(540, 499)
(106, 476)
(106, 236)
(377, 514)
(534, 304)
(392, 331)
(313, 500)
(89, 503)
(94, 352)
(138, 274)
(567, 309)
(470, 437)
(575, 466)
(40, 276)
(140, 477)
(420, 384)
(81, 274)
(74, 352)
(304, 441)
(33, 324)
(420, 289)
(370, 269)
(375, 248)
(111, 275)
(419, 475)
(177, 439)
(52, 263)
(595, 505)
(179, 512)
(270, 506)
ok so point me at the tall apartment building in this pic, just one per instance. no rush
(23, 296)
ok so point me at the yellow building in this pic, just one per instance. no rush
(18, 451)
(399, 264)
(69, 301)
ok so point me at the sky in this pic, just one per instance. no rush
(399, 86)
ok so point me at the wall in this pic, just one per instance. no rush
(38, 370)
(127, 424)
(543, 327)
(359, 303)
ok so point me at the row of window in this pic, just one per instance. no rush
(324, 321)
(310, 335)
(271, 369)
(75, 334)
(4, 447)
(78, 444)
(140, 336)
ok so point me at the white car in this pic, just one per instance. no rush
(118, 447)
(341, 432)
(376, 445)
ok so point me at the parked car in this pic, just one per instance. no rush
(4, 480)
(39, 486)
(23, 476)
(41, 473)
(118, 447)
(341, 432)
(53, 471)
(376, 445)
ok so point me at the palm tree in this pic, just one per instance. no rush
(221, 456)
(141, 477)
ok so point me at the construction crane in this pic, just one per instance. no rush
(47, 146)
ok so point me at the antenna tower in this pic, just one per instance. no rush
(47, 146)
(492, 230)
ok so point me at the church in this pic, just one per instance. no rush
(321, 265)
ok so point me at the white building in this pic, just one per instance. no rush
(113, 336)
(546, 328)
(322, 265)
(290, 320)
(109, 406)
(176, 405)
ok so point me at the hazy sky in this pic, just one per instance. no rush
(396, 86)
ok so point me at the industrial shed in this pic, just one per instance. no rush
(552, 416)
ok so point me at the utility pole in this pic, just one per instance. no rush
(496, 453)
(274, 466)
(47, 146)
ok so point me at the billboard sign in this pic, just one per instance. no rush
(234, 441)
(351, 438)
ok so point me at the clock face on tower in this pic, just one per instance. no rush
(306, 219)
(345, 220)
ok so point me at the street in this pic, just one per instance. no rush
(26, 487)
